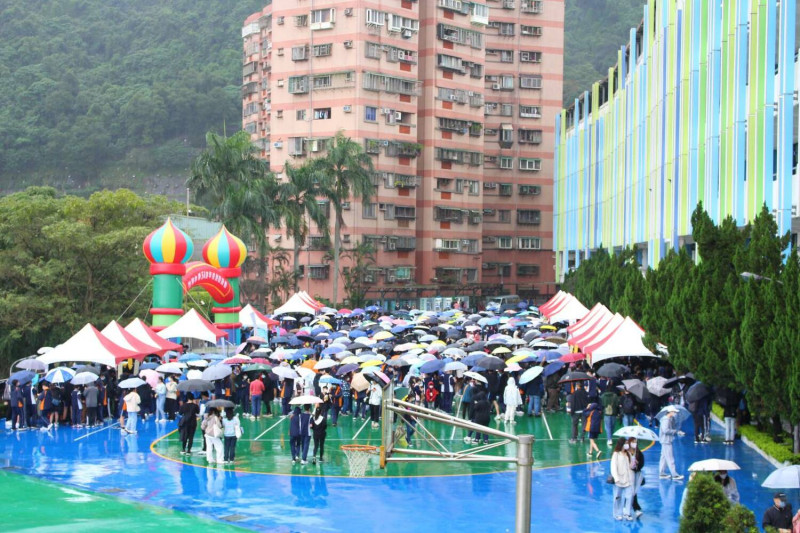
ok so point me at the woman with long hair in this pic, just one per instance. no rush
(623, 481)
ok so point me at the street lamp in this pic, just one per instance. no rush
(750, 275)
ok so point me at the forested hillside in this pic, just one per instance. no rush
(594, 31)
(89, 84)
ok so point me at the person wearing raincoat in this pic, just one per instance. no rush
(593, 425)
(512, 399)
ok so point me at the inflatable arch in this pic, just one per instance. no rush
(168, 249)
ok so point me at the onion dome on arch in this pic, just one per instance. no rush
(225, 250)
(168, 245)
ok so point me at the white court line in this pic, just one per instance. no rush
(546, 425)
(272, 426)
(98, 431)
(359, 429)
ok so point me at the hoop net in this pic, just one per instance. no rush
(358, 456)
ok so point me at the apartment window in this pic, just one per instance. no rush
(504, 215)
(506, 162)
(530, 164)
(399, 23)
(448, 214)
(528, 243)
(447, 62)
(296, 146)
(372, 50)
(372, 146)
(506, 29)
(530, 57)
(371, 114)
(505, 243)
(299, 53)
(530, 31)
(530, 82)
(470, 246)
(402, 273)
(301, 20)
(452, 5)
(322, 82)
(530, 111)
(530, 190)
(298, 84)
(300, 114)
(375, 17)
(459, 35)
(527, 270)
(531, 6)
(506, 189)
(506, 134)
(406, 243)
(322, 50)
(403, 211)
(322, 113)
(530, 136)
(369, 210)
(528, 216)
(480, 13)
(448, 244)
(322, 16)
(318, 271)
(473, 187)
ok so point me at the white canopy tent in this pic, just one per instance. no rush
(250, 317)
(117, 334)
(192, 326)
(624, 341)
(87, 346)
(569, 310)
(295, 304)
(142, 332)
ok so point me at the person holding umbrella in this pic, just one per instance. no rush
(575, 405)
(375, 398)
(666, 436)
(17, 407)
(256, 393)
(171, 398)
(188, 424)
(728, 486)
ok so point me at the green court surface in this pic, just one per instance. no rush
(264, 448)
(47, 507)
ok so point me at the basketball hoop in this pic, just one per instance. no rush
(358, 456)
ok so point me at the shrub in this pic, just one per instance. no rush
(739, 519)
(706, 506)
(780, 451)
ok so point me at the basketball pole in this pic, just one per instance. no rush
(524, 468)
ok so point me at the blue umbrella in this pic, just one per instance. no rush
(399, 329)
(357, 311)
(59, 375)
(23, 377)
(188, 357)
(336, 335)
(304, 352)
(552, 368)
(294, 341)
(373, 308)
(332, 349)
(279, 340)
(356, 333)
(549, 355)
(429, 367)
(145, 366)
(319, 329)
(330, 379)
(346, 369)
(214, 357)
(473, 358)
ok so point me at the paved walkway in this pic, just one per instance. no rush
(576, 497)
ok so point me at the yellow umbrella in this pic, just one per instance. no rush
(547, 327)
(373, 362)
(516, 359)
(382, 335)
(350, 359)
(324, 324)
(438, 342)
(501, 349)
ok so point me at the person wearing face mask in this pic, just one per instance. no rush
(728, 486)
(623, 481)
(637, 464)
(779, 515)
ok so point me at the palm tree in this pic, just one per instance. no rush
(297, 204)
(236, 186)
(346, 172)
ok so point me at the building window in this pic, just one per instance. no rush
(322, 50)
(369, 210)
(506, 135)
(403, 211)
(531, 6)
(322, 18)
(322, 113)
(372, 50)
(299, 53)
(322, 82)
(531, 31)
(506, 29)
(448, 244)
(530, 111)
(318, 271)
(474, 187)
(504, 215)
(506, 189)
(530, 190)
(527, 270)
(506, 162)
(505, 243)
(528, 216)
(371, 114)
(530, 57)
(298, 84)
(530, 136)
(528, 243)
(530, 82)
(375, 17)
(300, 114)
(530, 164)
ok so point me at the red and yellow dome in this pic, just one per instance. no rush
(225, 250)
(168, 245)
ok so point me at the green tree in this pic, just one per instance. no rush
(298, 205)
(237, 187)
(739, 519)
(346, 172)
(362, 259)
(706, 506)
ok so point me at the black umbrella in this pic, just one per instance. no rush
(697, 392)
(637, 387)
(220, 404)
(195, 385)
(574, 376)
(530, 335)
(491, 363)
(88, 368)
(476, 347)
(356, 346)
(613, 370)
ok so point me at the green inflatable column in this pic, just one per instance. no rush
(227, 253)
(168, 249)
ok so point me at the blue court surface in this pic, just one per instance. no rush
(565, 498)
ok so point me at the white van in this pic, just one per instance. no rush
(499, 304)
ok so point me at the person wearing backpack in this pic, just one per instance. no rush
(628, 407)
(610, 401)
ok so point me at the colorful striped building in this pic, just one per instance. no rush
(700, 107)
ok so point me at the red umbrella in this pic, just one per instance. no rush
(260, 360)
(345, 311)
(572, 357)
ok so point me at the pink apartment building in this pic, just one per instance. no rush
(455, 101)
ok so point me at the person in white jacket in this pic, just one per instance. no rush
(623, 481)
(512, 398)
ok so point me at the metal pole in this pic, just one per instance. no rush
(524, 467)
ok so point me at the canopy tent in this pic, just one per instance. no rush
(623, 341)
(250, 317)
(116, 334)
(553, 302)
(598, 312)
(598, 331)
(144, 334)
(88, 346)
(296, 304)
(192, 326)
(569, 310)
(310, 301)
